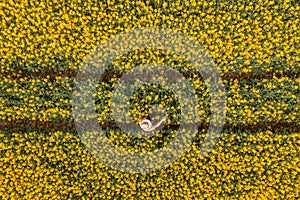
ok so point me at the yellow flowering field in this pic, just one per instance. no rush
(255, 47)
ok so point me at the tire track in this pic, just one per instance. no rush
(30, 125)
(227, 76)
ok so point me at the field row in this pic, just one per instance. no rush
(240, 37)
(56, 164)
(248, 101)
